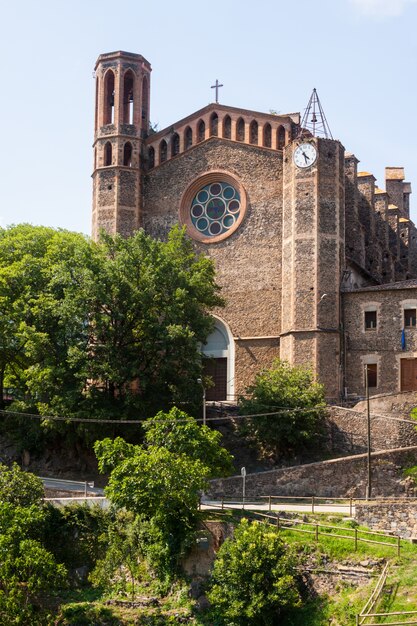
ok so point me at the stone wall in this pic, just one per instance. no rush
(400, 518)
(347, 430)
(344, 477)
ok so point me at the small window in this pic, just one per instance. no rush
(175, 144)
(188, 138)
(372, 373)
(107, 154)
(227, 127)
(240, 130)
(409, 317)
(201, 131)
(281, 137)
(151, 157)
(163, 151)
(214, 125)
(127, 154)
(370, 320)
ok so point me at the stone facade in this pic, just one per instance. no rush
(303, 252)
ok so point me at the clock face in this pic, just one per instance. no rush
(305, 155)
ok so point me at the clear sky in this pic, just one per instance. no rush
(269, 54)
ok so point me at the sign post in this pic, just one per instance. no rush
(243, 473)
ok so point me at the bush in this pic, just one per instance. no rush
(253, 577)
(298, 400)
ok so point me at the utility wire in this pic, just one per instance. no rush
(279, 411)
(138, 421)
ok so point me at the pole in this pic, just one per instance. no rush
(204, 406)
(200, 382)
(368, 419)
(243, 473)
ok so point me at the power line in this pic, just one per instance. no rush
(285, 410)
(93, 420)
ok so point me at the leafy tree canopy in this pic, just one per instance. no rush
(253, 577)
(18, 487)
(102, 329)
(279, 388)
(178, 432)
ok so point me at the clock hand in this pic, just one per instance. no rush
(305, 157)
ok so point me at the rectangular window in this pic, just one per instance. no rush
(409, 317)
(370, 320)
(371, 370)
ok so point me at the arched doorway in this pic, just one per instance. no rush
(219, 362)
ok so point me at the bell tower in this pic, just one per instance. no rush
(121, 125)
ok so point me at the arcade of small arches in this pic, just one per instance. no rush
(242, 130)
(109, 156)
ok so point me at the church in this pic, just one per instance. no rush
(317, 264)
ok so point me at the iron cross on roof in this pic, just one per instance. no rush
(217, 87)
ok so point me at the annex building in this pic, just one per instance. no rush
(318, 265)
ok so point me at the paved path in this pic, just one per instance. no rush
(284, 506)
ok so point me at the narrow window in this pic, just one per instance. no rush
(188, 139)
(372, 373)
(151, 157)
(201, 131)
(370, 320)
(409, 317)
(127, 154)
(240, 130)
(253, 133)
(163, 151)
(214, 125)
(128, 85)
(267, 136)
(107, 154)
(109, 98)
(227, 127)
(145, 102)
(175, 144)
(281, 137)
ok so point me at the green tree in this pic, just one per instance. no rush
(155, 482)
(102, 329)
(18, 487)
(298, 400)
(29, 573)
(253, 579)
(161, 481)
(150, 313)
(178, 432)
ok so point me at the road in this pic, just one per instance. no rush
(73, 486)
(284, 506)
(58, 484)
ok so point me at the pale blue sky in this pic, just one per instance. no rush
(269, 54)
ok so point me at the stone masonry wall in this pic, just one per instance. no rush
(344, 477)
(347, 431)
(400, 517)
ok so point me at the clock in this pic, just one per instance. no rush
(305, 155)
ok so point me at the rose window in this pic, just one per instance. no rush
(215, 209)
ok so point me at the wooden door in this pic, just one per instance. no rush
(217, 370)
(408, 374)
